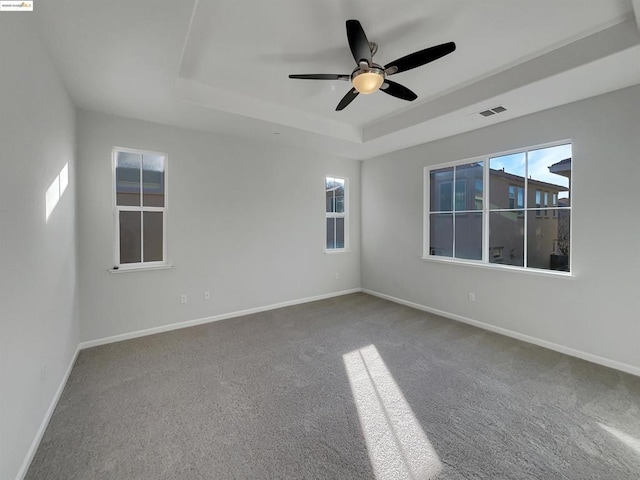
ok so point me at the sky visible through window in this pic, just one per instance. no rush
(539, 162)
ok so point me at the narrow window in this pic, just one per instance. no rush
(139, 207)
(546, 204)
(336, 214)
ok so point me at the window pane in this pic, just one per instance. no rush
(505, 171)
(334, 192)
(329, 193)
(516, 197)
(548, 241)
(128, 179)
(546, 203)
(331, 233)
(441, 190)
(339, 195)
(550, 170)
(153, 180)
(153, 236)
(461, 195)
(130, 237)
(479, 189)
(506, 238)
(441, 234)
(469, 236)
(339, 232)
(468, 177)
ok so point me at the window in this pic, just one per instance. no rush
(507, 220)
(336, 213)
(456, 227)
(140, 202)
(516, 196)
(546, 204)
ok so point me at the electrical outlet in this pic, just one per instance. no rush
(337, 275)
(472, 296)
(183, 298)
(207, 294)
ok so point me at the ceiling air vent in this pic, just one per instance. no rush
(493, 111)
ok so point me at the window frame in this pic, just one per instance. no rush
(344, 214)
(486, 209)
(142, 265)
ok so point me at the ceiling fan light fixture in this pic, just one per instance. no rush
(367, 81)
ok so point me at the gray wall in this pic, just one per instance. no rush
(245, 221)
(39, 328)
(597, 312)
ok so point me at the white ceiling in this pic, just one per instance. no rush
(222, 65)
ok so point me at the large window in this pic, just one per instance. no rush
(518, 214)
(140, 201)
(336, 213)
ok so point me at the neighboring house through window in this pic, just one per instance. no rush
(140, 202)
(508, 221)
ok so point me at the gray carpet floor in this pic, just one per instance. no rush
(353, 387)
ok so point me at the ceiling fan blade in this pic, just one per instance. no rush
(358, 43)
(321, 76)
(417, 59)
(347, 99)
(396, 90)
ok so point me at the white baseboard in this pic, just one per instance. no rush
(45, 421)
(214, 318)
(607, 362)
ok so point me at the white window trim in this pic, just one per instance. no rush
(484, 263)
(131, 267)
(345, 215)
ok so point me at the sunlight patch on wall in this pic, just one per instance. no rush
(397, 445)
(630, 441)
(55, 191)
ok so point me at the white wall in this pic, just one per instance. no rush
(245, 221)
(598, 311)
(39, 328)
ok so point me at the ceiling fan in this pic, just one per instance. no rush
(369, 77)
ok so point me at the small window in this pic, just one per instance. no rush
(336, 214)
(516, 197)
(140, 201)
(546, 204)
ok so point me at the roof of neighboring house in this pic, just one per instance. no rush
(561, 166)
(518, 178)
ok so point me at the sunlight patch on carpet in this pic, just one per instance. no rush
(629, 440)
(397, 445)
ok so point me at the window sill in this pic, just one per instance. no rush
(336, 251)
(498, 267)
(139, 269)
